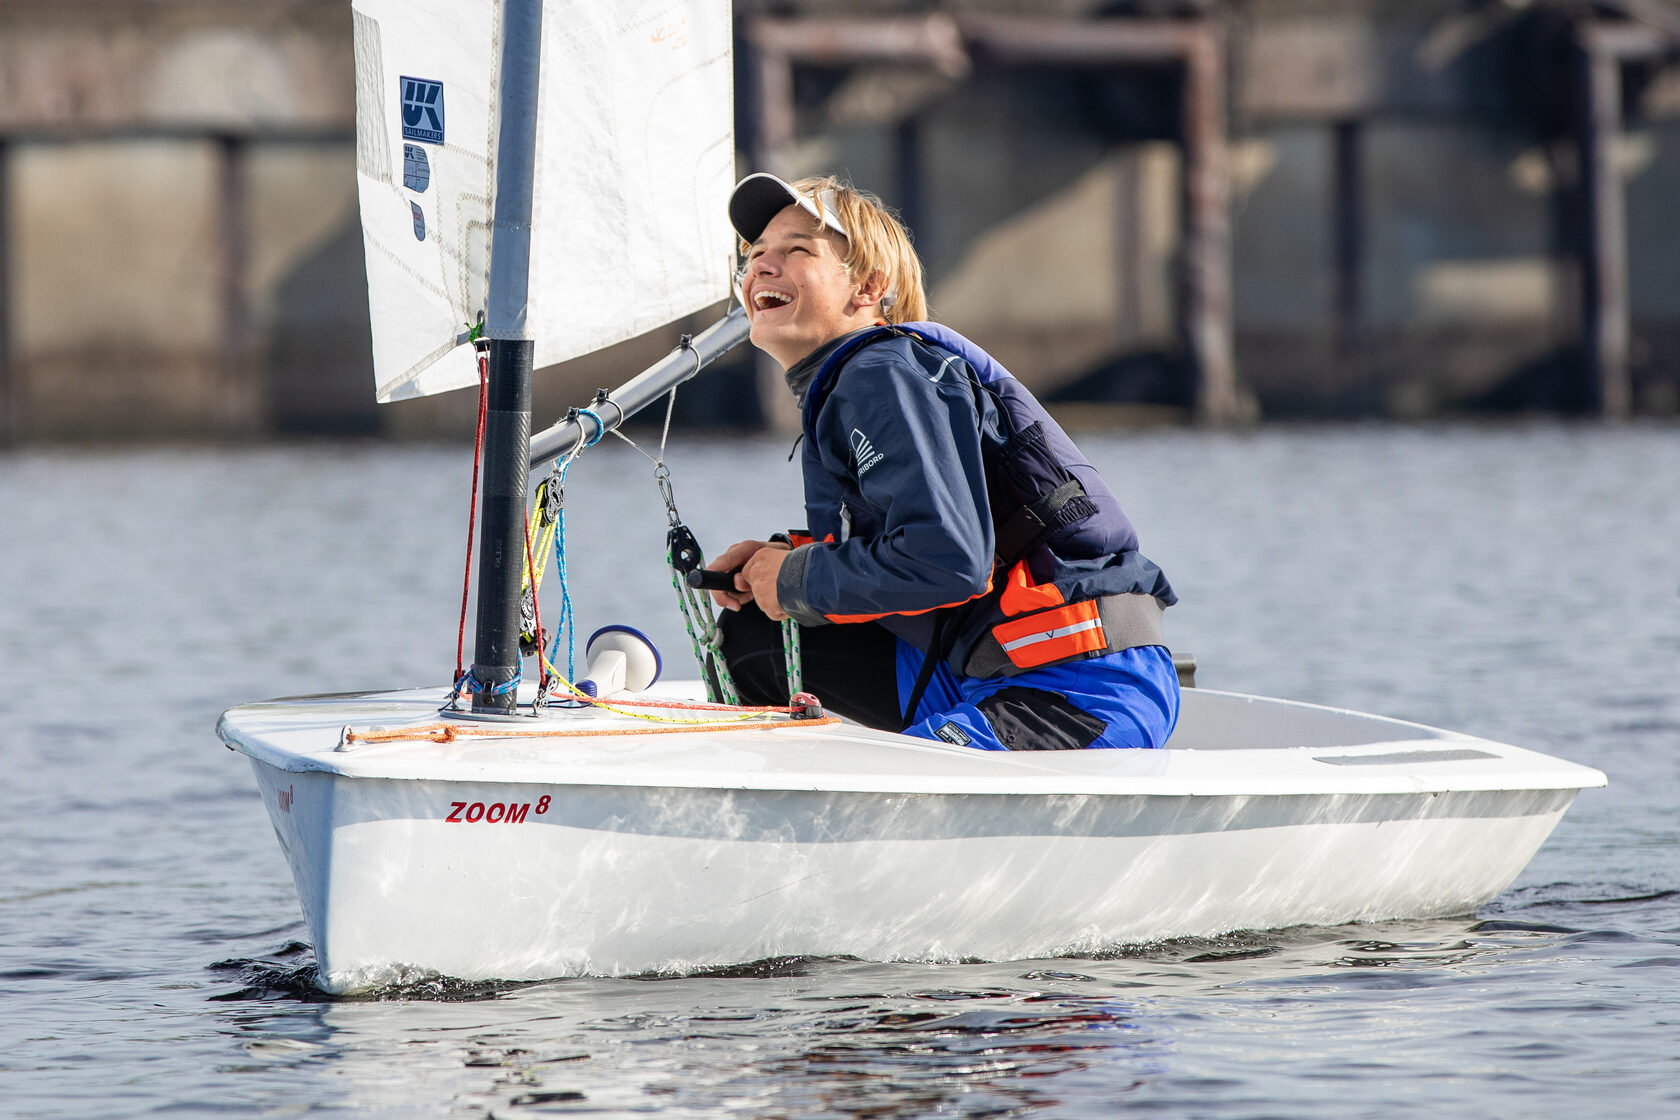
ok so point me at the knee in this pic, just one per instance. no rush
(752, 649)
(747, 631)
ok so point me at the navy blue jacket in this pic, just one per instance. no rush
(897, 435)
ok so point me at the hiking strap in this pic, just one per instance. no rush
(936, 652)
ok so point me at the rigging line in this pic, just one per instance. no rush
(694, 706)
(670, 407)
(733, 713)
(664, 436)
(472, 514)
(567, 623)
(600, 430)
(449, 732)
(540, 520)
(728, 717)
(536, 612)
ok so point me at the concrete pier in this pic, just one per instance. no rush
(1277, 211)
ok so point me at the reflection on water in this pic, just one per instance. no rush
(1519, 583)
(1207, 1025)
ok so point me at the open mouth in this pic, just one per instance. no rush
(766, 299)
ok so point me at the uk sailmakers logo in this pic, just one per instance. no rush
(864, 453)
(422, 110)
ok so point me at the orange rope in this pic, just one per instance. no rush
(448, 732)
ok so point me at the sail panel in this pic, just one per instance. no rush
(635, 157)
(424, 136)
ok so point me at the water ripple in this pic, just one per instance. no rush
(151, 961)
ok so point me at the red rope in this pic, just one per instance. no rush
(472, 514)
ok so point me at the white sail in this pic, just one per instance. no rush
(634, 161)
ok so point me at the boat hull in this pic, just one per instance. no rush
(526, 880)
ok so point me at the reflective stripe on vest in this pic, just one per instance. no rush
(1052, 635)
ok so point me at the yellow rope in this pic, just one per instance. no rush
(722, 720)
(542, 547)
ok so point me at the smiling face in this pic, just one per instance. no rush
(797, 291)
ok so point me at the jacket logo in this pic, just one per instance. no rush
(864, 453)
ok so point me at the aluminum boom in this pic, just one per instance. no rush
(643, 389)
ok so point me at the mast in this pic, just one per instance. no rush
(507, 430)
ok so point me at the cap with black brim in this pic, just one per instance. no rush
(759, 197)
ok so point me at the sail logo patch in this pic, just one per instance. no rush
(422, 110)
(864, 453)
(417, 171)
(419, 217)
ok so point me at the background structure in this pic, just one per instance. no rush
(1212, 211)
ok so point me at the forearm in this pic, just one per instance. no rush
(901, 573)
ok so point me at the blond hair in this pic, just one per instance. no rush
(878, 243)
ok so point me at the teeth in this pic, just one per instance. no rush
(763, 299)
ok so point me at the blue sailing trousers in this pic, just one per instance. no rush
(1134, 691)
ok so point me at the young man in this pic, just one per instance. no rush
(967, 576)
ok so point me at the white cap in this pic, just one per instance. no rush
(761, 196)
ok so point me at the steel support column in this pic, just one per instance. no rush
(240, 405)
(1606, 318)
(8, 383)
(1348, 241)
(1207, 232)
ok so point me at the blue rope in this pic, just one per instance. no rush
(467, 684)
(600, 427)
(567, 624)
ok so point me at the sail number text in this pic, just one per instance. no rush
(477, 812)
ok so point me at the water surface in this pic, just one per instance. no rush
(1517, 582)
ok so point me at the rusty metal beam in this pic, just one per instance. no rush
(209, 67)
(947, 43)
(932, 40)
(1629, 42)
(1023, 40)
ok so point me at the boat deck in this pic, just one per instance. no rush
(1226, 744)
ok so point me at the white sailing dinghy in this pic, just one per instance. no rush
(555, 180)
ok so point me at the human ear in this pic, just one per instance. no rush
(871, 291)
